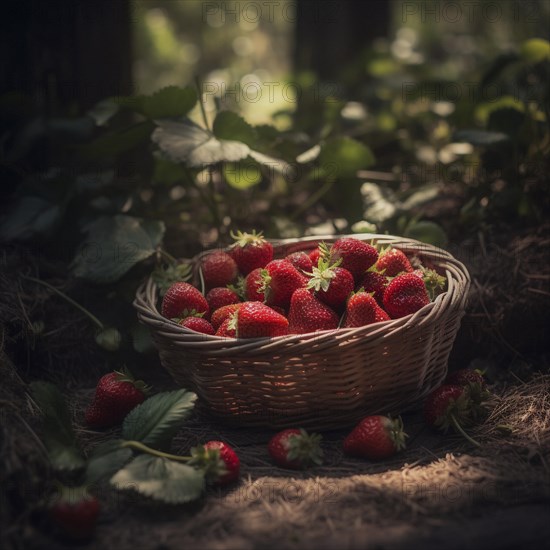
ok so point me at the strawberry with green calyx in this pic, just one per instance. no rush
(432, 279)
(227, 328)
(393, 261)
(218, 269)
(475, 383)
(253, 285)
(315, 256)
(295, 449)
(376, 437)
(375, 282)
(405, 294)
(301, 261)
(356, 255)
(256, 320)
(217, 460)
(448, 406)
(279, 281)
(332, 284)
(198, 324)
(116, 394)
(250, 251)
(183, 300)
(362, 309)
(220, 315)
(74, 512)
(220, 296)
(308, 314)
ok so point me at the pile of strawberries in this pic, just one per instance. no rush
(249, 294)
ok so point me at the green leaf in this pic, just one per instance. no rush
(343, 156)
(242, 175)
(427, 232)
(114, 245)
(379, 202)
(157, 419)
(171, 101)
(58, 434)
(481, 137)
(161, 479)
(167, 172)
(106, 459)
(230, 126)
(29, 217)
(484, 110)
(535, 50)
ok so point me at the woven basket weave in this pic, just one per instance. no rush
(323, 380)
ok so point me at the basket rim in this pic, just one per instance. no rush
(454, 297)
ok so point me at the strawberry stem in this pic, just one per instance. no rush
(458, 427)
(138, 446)
(70, 300)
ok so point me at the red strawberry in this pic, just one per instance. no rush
(256, 320)
(116, 394)
(357, 256)
(332, 284)
(75, 512)
(280, 280)
(375, 282)
(253, 284)
(449, 405)
(183, 300)
(221, 296)
(314, 256)
(432, 280)
(393, 261)
(198, 324)
(250, 251)
(218, 460)
(220, 315)
(475, 383)
(375, 438)
(301, 261)
(308, 314)
(295, 449)
(227, 328)
(404, 295)
(362, 309)
(218, 269)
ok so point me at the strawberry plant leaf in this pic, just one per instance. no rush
(161, 479)
(114, 245)
(242, 175)
(343, 157)
(230, 126)
(29, 217)
(171, 101)
(157, 419)
(106, 459)
(57, 430)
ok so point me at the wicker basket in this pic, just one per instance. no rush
(324, 380)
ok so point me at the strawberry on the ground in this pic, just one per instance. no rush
(374, 281)
(332, 284)
(405, 294)
(253, 284)
(227, 328)
(449, 405)
(256, 320)
(221, 296)
(376, 437)
(301, 261)
(218, 269)
(362, 309)
(295, 449)
(393, 261)
(182, 300)
(357, 256)
(116, 394)
(221, 314)
(475, 383)
(308, 314)
(218, 460)
(279, 281)
(75, 512)
(198, 324)
(250, 251)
